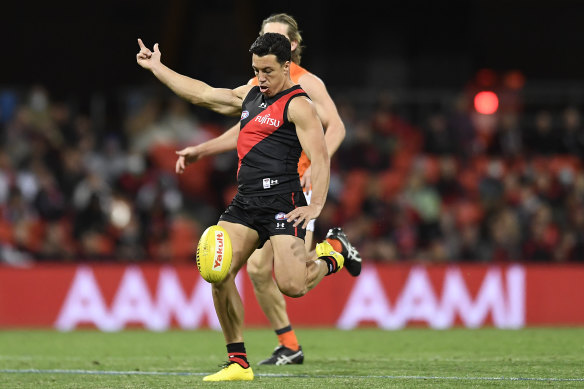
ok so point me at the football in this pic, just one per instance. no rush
(214, 254)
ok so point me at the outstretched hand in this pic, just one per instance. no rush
(186, 156)
(146, 58)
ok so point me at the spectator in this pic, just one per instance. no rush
(448, 185)
(471, 246)
(462, 126)
(505, 236)
(507, 141)
(424, 202)
(491, 189)
(439, 139)
(542, 138)
(572, 132)
(49, 201)
(543, 236)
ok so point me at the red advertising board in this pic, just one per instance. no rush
(389, 296)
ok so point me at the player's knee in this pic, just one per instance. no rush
(253, 269)
(220, 285)
(259, 275)
(292, 289)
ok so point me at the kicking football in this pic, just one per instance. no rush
(214, 254)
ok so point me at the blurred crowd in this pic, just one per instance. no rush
(461, 186)
(453, 185)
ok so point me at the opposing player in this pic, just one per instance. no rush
(260, 264)
(278, 121)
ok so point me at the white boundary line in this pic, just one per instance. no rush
(393, 377)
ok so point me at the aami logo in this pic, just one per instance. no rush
(244, 114)
(281, 216)
(218, 260)
(266, 119)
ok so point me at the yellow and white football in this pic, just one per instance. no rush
(214, 254)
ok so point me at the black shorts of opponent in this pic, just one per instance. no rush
(266, 214)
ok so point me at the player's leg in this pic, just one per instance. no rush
(296, 274)
(340, 242)
(288, 351)
(270, 299)
(225, 295)
(273, 304)
(259, 268)
(229, 307)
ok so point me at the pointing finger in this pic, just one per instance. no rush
(179, 166)
(141, 44)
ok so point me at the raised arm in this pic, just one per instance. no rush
(302, 113)
(225, 142)
(221, 100)
(326, 109)
(329, 117)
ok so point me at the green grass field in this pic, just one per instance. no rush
(371, 358)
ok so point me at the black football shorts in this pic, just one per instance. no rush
(266, 214)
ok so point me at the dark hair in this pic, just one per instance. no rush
(293, 32)
(272, 43)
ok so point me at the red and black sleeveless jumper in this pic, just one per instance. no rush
(268, 147)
